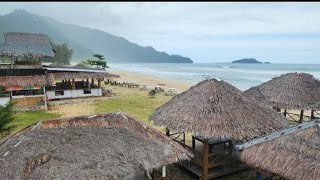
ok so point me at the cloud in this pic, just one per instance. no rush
(194, 29)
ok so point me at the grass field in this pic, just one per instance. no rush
(24, 119)
(130, 101)
(133, 102)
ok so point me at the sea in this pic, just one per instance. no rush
(242, 76)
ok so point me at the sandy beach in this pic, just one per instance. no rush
(149, 80)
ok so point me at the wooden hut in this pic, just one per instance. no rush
(76, 81)
(106, 146)
(218, 110)
(289, 91)
(23, 79)
(292, 153)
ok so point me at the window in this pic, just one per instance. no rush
(59, 93)
(87, 91)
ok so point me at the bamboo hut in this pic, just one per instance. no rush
(216, 109)
(24, 79)
(289, 91)
(292, 153)
(106, 146)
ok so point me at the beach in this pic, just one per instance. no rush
(149, 80)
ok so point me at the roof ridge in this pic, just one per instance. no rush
(277, 134)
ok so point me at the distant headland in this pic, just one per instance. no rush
(249, 60)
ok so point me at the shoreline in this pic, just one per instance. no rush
(150, 80)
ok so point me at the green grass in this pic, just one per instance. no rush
(24, 119)
(133, 102)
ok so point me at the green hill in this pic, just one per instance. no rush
(247, 60)
(85, 41)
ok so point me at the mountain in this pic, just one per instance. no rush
(247, 60)
(86, 41)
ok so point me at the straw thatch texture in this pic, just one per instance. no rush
(21, 81)
(293, 156)
(26, 45)
(97, 147)
(82, 75)
(216, 108)
(77, 66)
(292, 91)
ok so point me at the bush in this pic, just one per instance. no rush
(152, 93)
(6, 116)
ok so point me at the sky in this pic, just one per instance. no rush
(287, 32)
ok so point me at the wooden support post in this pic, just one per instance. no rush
(164, 174)
(276, 108)
(167, 132)
(73, 83)
(184, 138)
(285, 112)
(301, 116)
(312, 114)
(88, 83)
(258, 175)
(45, 98)
(193, 142)
(99, 83)
(92, 82)
(205, 158)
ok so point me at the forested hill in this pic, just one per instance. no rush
(85, 41)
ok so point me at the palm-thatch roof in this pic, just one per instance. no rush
(78, 71)
(294, 155)
(87, 147)
(82, 75)
(22, 81)
(291, 91)
(216, 108)
(26, 45)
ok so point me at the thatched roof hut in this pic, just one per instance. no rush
(21, 81)
(292, 153)
(81, 75)
(78, 71)
(291, 91)
(216, 108)
(26, 45)
(87, 147)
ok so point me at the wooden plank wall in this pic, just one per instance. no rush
(28, 101)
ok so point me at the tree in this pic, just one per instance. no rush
(100, 62)
(99, 56)
(62, 53)
(6, 116)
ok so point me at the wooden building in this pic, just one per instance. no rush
(23, 79)
(75, 81)
(29, 84)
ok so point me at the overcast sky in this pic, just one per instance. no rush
(204, 31)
